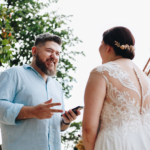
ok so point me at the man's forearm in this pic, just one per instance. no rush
(26, 112)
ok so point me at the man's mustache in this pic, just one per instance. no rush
(51, 59)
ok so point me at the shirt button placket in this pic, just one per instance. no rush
(50, 127)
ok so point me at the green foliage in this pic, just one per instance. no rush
(6, 39)
(70, 138)
(28, 21)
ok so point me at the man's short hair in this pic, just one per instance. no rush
(42, 38)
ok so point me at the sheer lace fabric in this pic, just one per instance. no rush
(125, 116)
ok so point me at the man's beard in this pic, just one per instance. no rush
(41, 65)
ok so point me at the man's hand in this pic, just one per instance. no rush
(44, 111)
(41, 111)
(70, 116)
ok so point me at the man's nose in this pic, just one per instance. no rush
(53, 55)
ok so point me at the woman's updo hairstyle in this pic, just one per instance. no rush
(123, 36)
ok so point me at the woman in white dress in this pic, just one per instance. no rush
(117, 98)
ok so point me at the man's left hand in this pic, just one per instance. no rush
(70, 116)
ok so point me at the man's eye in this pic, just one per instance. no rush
(57, 54)
(49, 50)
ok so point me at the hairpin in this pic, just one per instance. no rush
(123, 47)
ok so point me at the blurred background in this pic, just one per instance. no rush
(80, 23)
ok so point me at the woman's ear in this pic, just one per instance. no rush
(109, 49)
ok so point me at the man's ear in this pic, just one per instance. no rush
(34, 50)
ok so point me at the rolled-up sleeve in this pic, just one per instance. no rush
(8, 110)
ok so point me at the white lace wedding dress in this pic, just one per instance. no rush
(125, 116)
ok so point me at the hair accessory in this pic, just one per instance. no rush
(123, 47)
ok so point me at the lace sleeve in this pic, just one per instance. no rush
(100, 70)
(108, 67)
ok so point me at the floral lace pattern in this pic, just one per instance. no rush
(148, 92)
(122, 113)
(116, 71)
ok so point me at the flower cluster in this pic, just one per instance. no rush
(123, 47)
(80, 145)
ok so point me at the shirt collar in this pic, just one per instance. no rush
(26, 66)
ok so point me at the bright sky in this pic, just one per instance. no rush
(90, 19)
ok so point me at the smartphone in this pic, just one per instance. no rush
(75, 109)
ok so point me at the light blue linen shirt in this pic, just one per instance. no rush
(24, 86)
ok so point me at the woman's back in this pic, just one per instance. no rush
(117, 98)
(125, 116)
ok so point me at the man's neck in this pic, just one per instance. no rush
(44, 76)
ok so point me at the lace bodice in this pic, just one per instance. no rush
(125, 107)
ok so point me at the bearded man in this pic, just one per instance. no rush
(32, 110)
